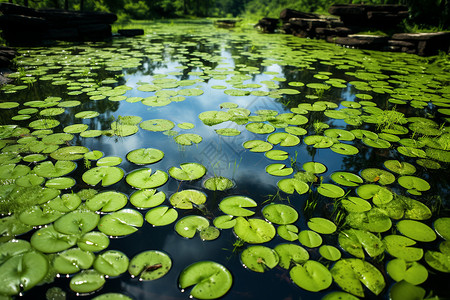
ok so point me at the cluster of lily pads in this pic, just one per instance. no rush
(69, 221)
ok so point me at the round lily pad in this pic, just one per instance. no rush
(218, 183)
(37, 216)
(377, 175)
(280, 214)
(210, 280)
(259, 258)
(402, 168)
(60, 183)
(188, 171)
(378, 194)
(346, 179)
(111, 263)
(120, 223)
(314, 167)
(87, 281)
(310, 238)
(77, 222)
(112, 296)
(69, 153)
(291, 254)
(416, 230)
(147, 198)
(442, 227)
(321, 225)
(188, 226)
(150, 265)
(260, 128)
(144, 156)
(93, 241)
(59, 168)
(311, 276)
(161, 215)
(187, 139)
(355, 241)
(107, 201)
(344, 149)
(288, 232)
(187, 198)
(415, 185)
(413, 272)
(237, 206)
(283, 139)
(72, 261)
(291, 185)
(254, 231)
(330, 190)
(157, 125)
(145, 179)
(340, 296)
(224, 222)
(438, 261)
(330, 252)
(404, 290)
(257, 146)
(48, 240)
(209, 233)
(279, 170)
(401, 247)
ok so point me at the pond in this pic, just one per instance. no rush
(214, 163)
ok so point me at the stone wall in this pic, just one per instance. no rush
(347, 20)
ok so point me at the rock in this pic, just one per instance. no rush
(130, 32)
(426, 43)
(287, 14)
(224, 23)
(361, 41)
(336, 31)
(267, 24)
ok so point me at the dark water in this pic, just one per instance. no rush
(163, 51)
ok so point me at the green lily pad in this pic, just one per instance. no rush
(340, 134)
(109, 161)
(88, 114)
(279, 170)
(346, 179)
(280, 214)
(210, 280)
(339, 296)
(75, 128)
(186, 199)
(237, 206)
(13, 171)
(150, 265)
(120, 223)
(319, 141)
(93, 241)
(111, 263)
(288, 232)
(104, 174)
(310, 238)
(438, 261)
(314, 167)
(260, 128)
(211, 118)
(402, 168)
(72, 261)
(228, 131)
(144, 156)
(65, 203)
(254, 231)
(187, 139)
(330, 252)
(145, 179)
(311, 276)
(60, 183)
(107, 201)
(415, 185)
(291, 185)
(218, 183)
(49, 170)
(69, 153)
(344, 149)
(21, 272)
(283, 139)
(379, 195)
(412, 272)
(290, 254)
(277, 155)
(77, 222)
(87, 281)
(188, 171)
(356, 204)
(48, 240)
(161, 215)
(405, 291)
(257, 146)
(224, 222)
(188, 226)
(442, 227)
(259, 258)
(373, 220)
(351, 273)
(147, 198)
(39, 215)
(210, 233)
(321, 225)
(157, 125)
(112, 296)
(400, 246)
(356, 241)
(330, 190)
(416, 230)
(377, 175)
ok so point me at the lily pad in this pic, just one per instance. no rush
(311, 276)
(145, 179)
(48, 240)
(330, 190)
(224, 222)
(438, 261)
(187, 139)
(310, 238)
(288, 232)
(377, 175)
(93, 241)
(69, 153)
(344, 149)
(147, 198)
(144, 156)
(405, 291)
(280, 214)
(210, 280)
(218, 183)
(157, 125)
(290, 254)
(346, 178)
(260, 128)
(210, 233)
(104, 174)
(283, 139)
(416, 230)
(401, 247)
(330, 252)
(188, 226)
(237, 206)
(257, 146)
(402, 168)
(351, 273)
(442, 227)
(186, 199)
(413, 273)
(107, 201)
(291, 185)
(77, 222)
(279, 170)
(161, 215)
(356, 241)
(379, 195)
(120, 223)
(188, 171)
(111, 263)
(72, 261)
(314, 167)
(60, 183)
(321, 225)
(254, 231)
(415, 185)
(87, 281)
(259, 258)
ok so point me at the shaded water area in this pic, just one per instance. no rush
(276, 115)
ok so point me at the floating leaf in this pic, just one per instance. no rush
(260, 128)
(416, 230)
(210, 280)
(77, 222)
(377, 175)
(413, 272)
(70, 153)
(291, 185)
(314, 167)
(310, 238)
(187, 198)
(346, 178)
(259, 258)
(279, 170)
(48, 240)
(144, 156)
(291, 254)
(237, 206)
(438, 260)
(111, 263)
(442, 227)
(218, 183)
(283, 139)
(87, 281)
(157, 125)
(188, 171)
(93, 241)
(402, 168)
(415, 185)
(72, 261)
(120, 223)
(405, 291)
(280, 214)
(224, 222)
(330, 252)
(379, 195)
(330, 190)
(147, 198)
(288, 232)
(356, 241)
(145, 179)
(257, 146)
(351, 272)
(107, 201)
(311, 276)
(321, 225)
(104, 174)
(400, 246)
(188, 139)
(254, 231)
